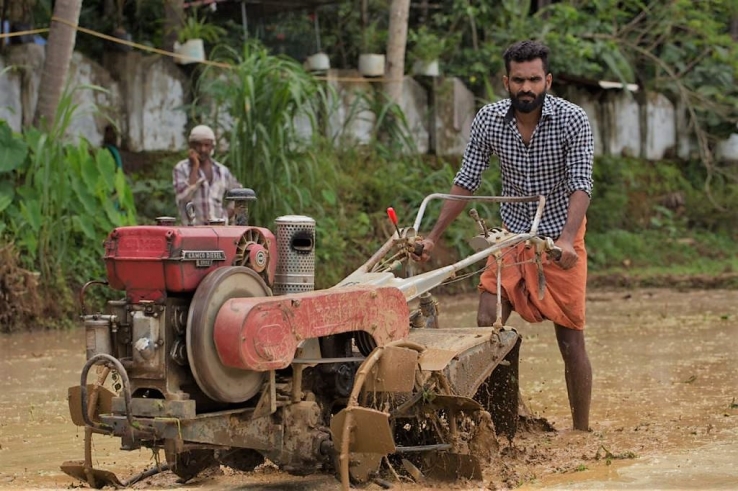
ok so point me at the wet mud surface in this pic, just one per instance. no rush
(664, 409)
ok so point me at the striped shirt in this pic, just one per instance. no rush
(207, 197)
(557, 161)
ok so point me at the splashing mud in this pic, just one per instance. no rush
(664, 408)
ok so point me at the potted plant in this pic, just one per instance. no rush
(373, 42)
(192, 36)
(426, 50)
(319, 61)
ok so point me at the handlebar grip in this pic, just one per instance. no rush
(392, 215)
(555, 253)
(418, 249)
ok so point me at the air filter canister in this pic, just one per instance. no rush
(296, 254)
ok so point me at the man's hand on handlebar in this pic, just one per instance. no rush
(569, 256)
(423, 249)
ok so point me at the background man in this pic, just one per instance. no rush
(201, 180)
(110, 142)
(545, 147)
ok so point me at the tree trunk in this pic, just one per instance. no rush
(59, 51)
(396, 44)
(734, 27)
(173, 20)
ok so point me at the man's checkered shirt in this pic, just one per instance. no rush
(207, 197)
(557, 162)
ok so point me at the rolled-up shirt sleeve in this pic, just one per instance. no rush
(477, 153)
(580, 154)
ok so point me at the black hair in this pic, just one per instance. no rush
(526, 51)
(110, 136)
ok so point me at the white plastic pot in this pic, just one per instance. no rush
(319, 62)
(371, 65)
(426, 68)
(192, 51)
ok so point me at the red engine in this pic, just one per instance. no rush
(150, 261)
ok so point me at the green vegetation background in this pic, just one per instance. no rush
(649, 222)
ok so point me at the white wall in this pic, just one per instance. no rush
(145, 96)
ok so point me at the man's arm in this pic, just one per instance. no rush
(183, 189)
(449, 211)
(578, 204)
(194, 166)
(467, 180)
(579, 169)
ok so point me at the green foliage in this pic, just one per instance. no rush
(152, 188)
(257, 104)
(60, 200)
(426, 45)
(197, 27)
(373, 38)
(652, 215)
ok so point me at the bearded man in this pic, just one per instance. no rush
(545, 148)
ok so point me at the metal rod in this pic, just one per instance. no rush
(413, 287)
(424, 448)
(316, 361)
(488, 199)
(102, 357)
(84, 290)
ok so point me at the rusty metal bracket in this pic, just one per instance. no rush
(100, 358)
(268, 401)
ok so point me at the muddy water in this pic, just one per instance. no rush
(664, 409)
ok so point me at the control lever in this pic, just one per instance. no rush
(418, 247)
(475, 216)
(553, 252)
(393, 218)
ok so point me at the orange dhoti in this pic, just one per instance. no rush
(564, 298)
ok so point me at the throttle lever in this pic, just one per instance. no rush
(475, 216)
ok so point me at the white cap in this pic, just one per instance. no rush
(200, 133)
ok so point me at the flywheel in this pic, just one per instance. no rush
(217, 381)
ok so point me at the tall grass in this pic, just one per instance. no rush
(319, 168)
(258, 104)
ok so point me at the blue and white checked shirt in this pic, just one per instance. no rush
(557, 162)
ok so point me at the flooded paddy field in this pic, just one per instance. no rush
(664, 408)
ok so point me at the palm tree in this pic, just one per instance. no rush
(399, 11)
(62, 35)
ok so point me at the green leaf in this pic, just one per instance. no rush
(85, 227)
(85, 197)
(106, 167)
(31, 213)
(6, 194)
(13, 150)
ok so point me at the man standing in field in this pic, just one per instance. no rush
(545, 148)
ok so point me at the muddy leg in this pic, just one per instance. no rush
(487, 312)
(578, 373)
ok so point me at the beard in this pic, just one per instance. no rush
(527, 106)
